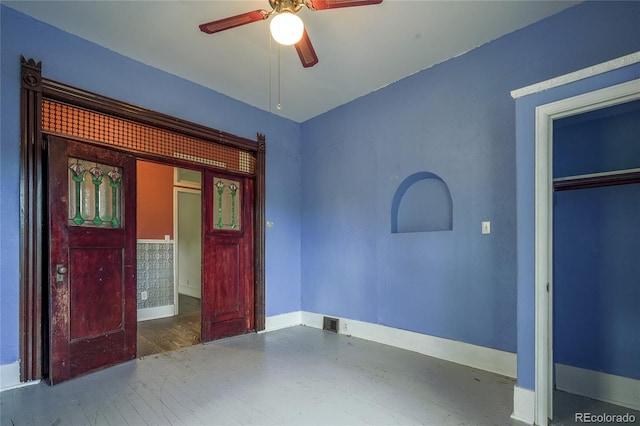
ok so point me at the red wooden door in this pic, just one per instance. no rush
(227, 293)
(92, 271)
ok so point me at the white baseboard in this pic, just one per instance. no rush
(189, 291)
(496, 361)
(155, 313)
(10, 377)
(616, 390)
(153, 241)
(524, 405)
(278, 322)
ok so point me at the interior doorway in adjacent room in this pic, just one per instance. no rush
(169, 258)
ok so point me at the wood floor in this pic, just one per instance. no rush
(566, 405)
(294, 376)
(168, 334)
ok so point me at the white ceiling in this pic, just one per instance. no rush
(360, 49)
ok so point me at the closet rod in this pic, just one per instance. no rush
(619, 177)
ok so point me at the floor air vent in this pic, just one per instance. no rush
(330, 324)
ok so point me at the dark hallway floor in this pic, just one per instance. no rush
(168, 334)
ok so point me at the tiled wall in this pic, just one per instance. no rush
(155, 273)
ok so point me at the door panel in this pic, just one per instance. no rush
(104, 295)
(92, 278)
(227, 294)
(96, 353)
(227, 300)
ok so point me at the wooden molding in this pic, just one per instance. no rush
(32, 258)
(259, 235)
(34, 237)
(591, 71)
(68, 94)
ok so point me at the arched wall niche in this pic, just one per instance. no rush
(422, 203)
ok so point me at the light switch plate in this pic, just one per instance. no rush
(486, 227)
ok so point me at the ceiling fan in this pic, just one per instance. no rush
(286, 27)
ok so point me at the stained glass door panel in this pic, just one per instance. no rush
(227, 205)
(95, 194)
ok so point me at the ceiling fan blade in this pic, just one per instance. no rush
(234, 21)
(305, 51)
(334, 4)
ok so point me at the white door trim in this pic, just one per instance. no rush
(613, 64)
(176, 261)
(545, 115)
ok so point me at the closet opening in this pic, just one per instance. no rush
(596, 242)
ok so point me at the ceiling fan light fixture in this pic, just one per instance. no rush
(286, 28)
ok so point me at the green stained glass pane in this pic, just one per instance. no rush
(95, 194)
(227, 212)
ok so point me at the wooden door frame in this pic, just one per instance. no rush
(33, 207)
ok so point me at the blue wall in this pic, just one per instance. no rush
(598, 141)
(596, 277)
(77, 62)
(596, 245)
(456, 120)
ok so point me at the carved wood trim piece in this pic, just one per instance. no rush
(68, 94)
(259, 236)
(32, 257)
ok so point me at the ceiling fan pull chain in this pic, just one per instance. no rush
(270, 75)
(279, 105)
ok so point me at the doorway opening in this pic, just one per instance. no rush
(96, 129)
(544, 211)
(596, 298)
(169, 257)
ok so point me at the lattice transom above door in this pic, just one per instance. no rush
(71, 121)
